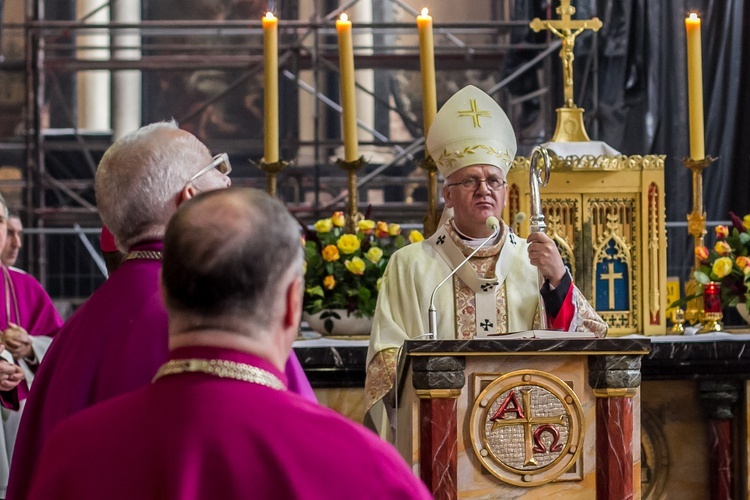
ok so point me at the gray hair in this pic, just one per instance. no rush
(5, 206)
(140, 176)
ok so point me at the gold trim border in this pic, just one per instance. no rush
(438, 393)
(601, 163)
(615, 392)
(529, 353)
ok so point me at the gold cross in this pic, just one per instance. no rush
(563, 28)
(475, 113)
(611, 276)
(527, 422)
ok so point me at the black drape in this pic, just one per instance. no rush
(641, 106)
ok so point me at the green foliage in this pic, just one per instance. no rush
(727, 263)
(345, 274)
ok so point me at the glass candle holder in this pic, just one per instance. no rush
(712, 297)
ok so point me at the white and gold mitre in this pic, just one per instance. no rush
(471, 129)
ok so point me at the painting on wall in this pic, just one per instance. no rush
(211, 101)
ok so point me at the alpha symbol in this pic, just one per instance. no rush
(525, 418)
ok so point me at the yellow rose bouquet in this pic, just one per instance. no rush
(343, 270)
(728, 262)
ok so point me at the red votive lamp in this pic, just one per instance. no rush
(712, 297)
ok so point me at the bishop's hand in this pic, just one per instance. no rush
(544, 255)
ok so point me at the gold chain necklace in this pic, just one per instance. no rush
(142, 254)
(221, 368)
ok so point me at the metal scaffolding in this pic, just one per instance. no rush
(230, 52)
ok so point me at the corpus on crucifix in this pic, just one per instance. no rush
(567, 29)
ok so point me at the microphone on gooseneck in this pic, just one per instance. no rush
(491, 223)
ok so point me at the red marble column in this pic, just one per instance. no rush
(615, 380)
(718, 400)
(614, 448)
(720, 459)
(438, 382)
(437, 447)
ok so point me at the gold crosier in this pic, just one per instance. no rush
(570, 127)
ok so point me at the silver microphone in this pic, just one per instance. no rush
(491, 223)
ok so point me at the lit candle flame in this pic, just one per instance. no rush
(424, 11)
(693, 16)
(269, 15)
(344, 17)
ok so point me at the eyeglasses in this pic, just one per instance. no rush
(220, 163)
(472, 183)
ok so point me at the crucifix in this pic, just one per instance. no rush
(567, 30)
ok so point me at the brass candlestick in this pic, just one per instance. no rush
(697, 228)
(352, 213)
(712, 322)
(678, 318)
(431, 219)
(272, 170)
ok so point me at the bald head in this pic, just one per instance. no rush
(230, 253)
(140, 178)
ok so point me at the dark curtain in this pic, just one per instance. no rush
(641, 104)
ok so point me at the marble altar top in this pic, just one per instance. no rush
(339, 362)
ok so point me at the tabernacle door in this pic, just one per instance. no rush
(543, 418)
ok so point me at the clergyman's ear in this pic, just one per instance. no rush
(188, 192)
(447, 197)
(293, 303)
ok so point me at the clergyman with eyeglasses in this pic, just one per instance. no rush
(117, 340)
(473, 145)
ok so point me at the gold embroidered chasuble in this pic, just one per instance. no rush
(413, 273)
(496, 291)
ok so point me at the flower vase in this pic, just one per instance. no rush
(338, 322)
(742, 310)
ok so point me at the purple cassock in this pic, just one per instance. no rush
(195, 435)
(25, 303)
(114, 343)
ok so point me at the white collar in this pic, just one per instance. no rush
(470, 241)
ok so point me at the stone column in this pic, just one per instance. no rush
(614, 380)
(718, 400)
(93, 92)
(126, 84)
(438, 382)
(361, 13)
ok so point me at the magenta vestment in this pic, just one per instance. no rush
(23, 302)
(194, 435)
(114, 343)
(28, 306)
(36, 313)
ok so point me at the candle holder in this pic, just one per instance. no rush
(697, 228)
(712, 308)
(271, 170)
(678, 320)
(712, 323)
(431, 219)
(352, 213)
